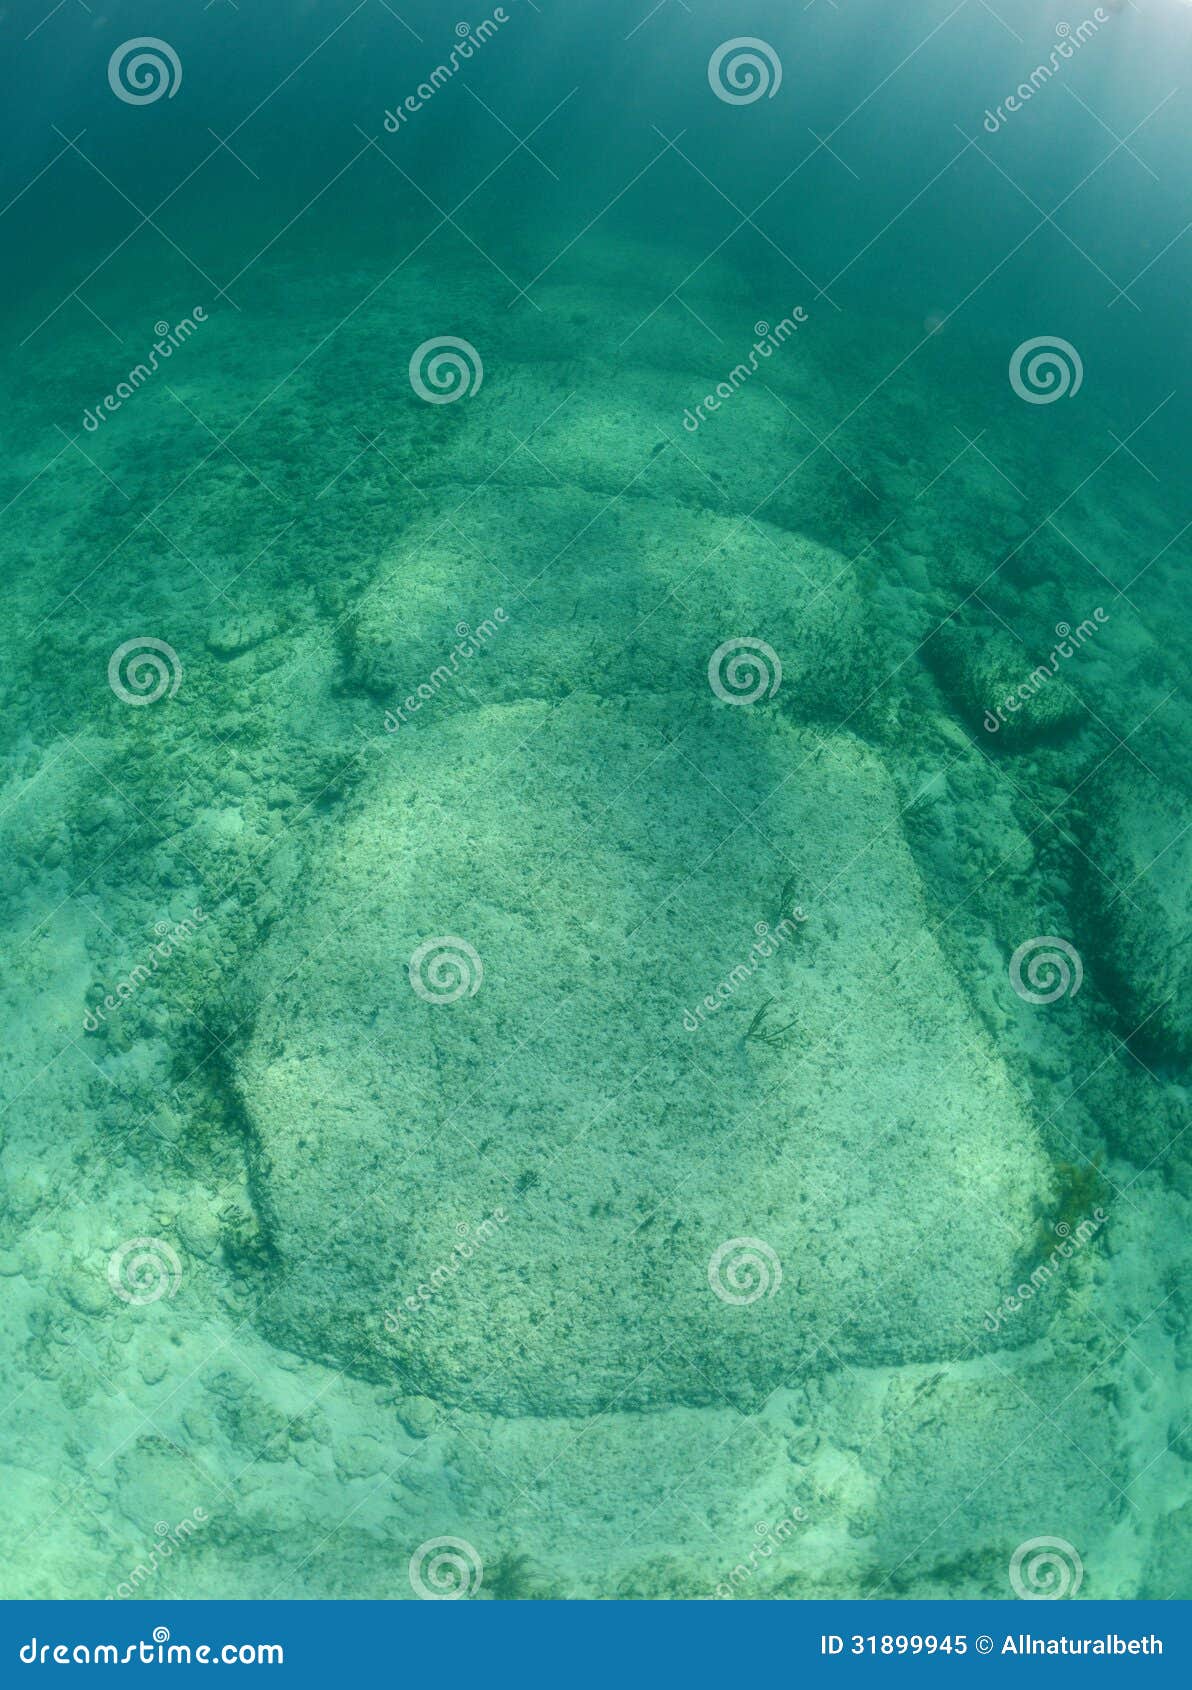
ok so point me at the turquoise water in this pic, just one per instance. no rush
(595, 820)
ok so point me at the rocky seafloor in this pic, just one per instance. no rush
(398, 1269)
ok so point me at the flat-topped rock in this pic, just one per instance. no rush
(611, 597)
(539, 1174)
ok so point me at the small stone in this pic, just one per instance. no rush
(804, 1441)
(359, 1457)
(417, 1415)
(75, 1388)
(89, 1293)
(98, 813)
(153, 1367)
(200, 1232)
(200, 1426)
(236, 634)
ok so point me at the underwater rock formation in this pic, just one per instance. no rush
(1141, 836)
(616, 598)
(1006, 694)
(837, 1113)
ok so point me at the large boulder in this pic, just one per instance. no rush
(1008, 696)
(1141, 843)
(507, 594)
(617, 1135)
